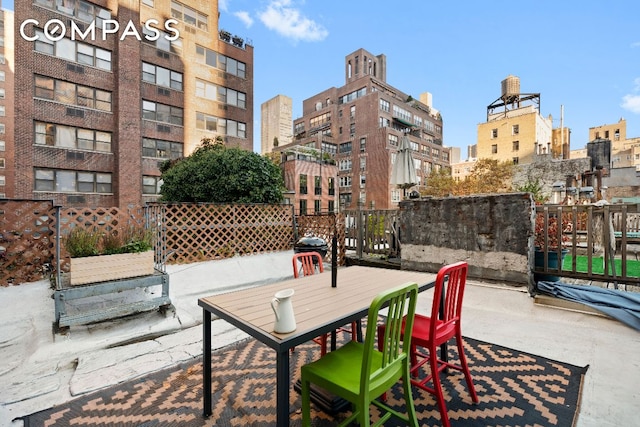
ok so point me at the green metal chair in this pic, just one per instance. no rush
(359, 373)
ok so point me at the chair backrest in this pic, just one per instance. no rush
(455, 277)
(401, 302)
(308, 261)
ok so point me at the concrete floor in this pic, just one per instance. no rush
(41, 369)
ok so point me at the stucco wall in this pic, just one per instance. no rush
(493, 233)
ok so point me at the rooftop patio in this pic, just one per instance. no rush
(43, 370)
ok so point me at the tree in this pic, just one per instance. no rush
(487, 176)
(215, 173)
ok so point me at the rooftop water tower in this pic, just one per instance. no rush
(511, 98)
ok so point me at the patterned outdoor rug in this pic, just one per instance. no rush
(515, 389)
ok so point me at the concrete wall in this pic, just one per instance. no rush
(493, 233)
(547, 171)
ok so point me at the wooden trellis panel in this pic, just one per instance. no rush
(26, 240)
(96, 219)
(325, 226)
(200, 232)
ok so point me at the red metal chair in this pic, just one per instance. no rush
(310, 262)
(431, 335)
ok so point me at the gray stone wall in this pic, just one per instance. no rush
(547, 171)
(493, 233)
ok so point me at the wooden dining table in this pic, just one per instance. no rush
(318, 306)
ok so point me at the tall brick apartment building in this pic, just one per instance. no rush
(95, 116)
(360, 124)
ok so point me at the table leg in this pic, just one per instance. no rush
(282, 388)
(206, 362)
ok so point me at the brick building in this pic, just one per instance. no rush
(131, 84)
(515, 131)
(7, 168)
(360, 124)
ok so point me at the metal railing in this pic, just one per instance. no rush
(599, 242)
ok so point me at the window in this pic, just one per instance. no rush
(303, 207)
(2, 145)
(162, 113)
(162, 43)
(345, 148)
(363, 180)
(2, 76)
(494, 133)
(161, 76)
(151, 184)
(344, 165)
(71, 137)
(363, 163)
(332, 186)
(74, 51)
(384, 105)
(352, 129)
(189, 15)
(494, 149)
(345, 181)
(221, 62)
(80, 9)
(395, 196)
(66, 181)
(317, 190)
(515, 160)
(516, 146)
(70, 93)
(352, 112)
(383, 122)
(393, 140)
(331, 206)
(161, 149)
(2, 163)
(317, 206)
(148, 2)
(303, 184)
(515, 130)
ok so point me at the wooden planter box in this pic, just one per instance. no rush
(95, 269)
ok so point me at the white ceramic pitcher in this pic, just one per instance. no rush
(283, 309)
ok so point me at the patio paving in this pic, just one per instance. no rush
(41, 369)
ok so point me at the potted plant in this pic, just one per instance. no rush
(98, 257)
(547, 241)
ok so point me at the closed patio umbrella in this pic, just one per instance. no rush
(403, 173)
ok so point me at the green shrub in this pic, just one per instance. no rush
(82, 243)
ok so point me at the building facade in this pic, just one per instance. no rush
(515, 131)
(359, 125)
(276, 123)
(7, 100)
(130, 84)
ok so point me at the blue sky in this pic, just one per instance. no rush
(582, 55)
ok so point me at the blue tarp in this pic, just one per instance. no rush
(624, 306)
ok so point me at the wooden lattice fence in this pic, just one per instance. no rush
(26, 240)
(201, 232)
(325, 226)
(104, 220)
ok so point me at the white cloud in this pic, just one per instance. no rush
(631, 102)
(635, 44)
(289, 22)
(222, 5)
(245, 18)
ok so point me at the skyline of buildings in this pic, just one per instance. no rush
(89, 121)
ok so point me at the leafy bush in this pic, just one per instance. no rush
(82, 243)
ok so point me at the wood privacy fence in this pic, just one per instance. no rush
(373, 232)
(325, 226)
(184, 233)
